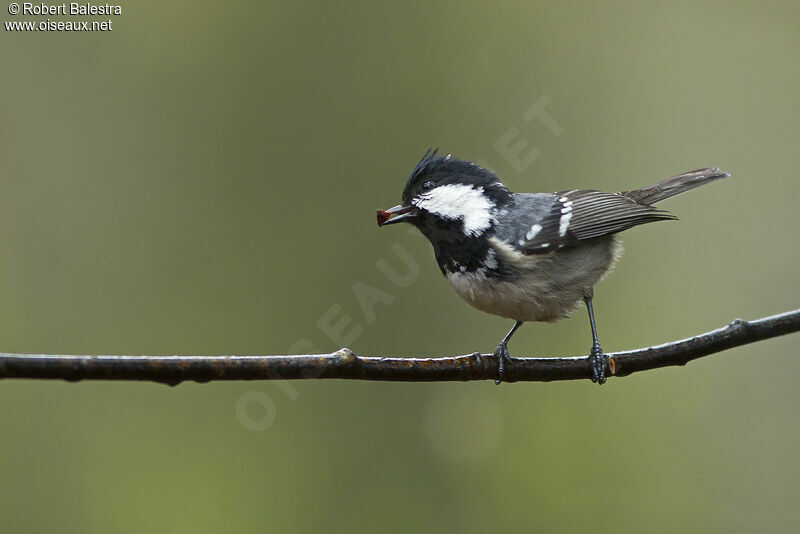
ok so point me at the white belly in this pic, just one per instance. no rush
(544, 287)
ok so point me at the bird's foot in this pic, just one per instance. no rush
(598, 362)
(503, 358)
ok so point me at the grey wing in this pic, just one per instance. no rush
(584, 214)
(526, 211)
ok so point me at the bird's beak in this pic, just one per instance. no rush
(397, 214)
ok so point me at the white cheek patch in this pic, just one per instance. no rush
(459, 201)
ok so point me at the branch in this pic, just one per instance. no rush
(343, 363)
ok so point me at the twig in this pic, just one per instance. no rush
(343, 363)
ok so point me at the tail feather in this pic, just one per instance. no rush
(675, 185)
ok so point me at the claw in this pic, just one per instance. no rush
(598, 362)
(501, 352)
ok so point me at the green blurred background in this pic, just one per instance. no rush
(203, 180)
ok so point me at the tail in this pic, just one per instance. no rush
(675, 185)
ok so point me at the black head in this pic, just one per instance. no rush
(446, 194)
(433, 171)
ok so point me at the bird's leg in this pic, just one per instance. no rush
(502, 352)
(597, 360)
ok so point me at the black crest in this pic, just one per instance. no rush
(443, 170)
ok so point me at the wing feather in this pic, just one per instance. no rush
(585, 214)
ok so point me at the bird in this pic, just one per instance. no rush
(528, 257)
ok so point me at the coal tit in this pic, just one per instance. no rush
(526, 256)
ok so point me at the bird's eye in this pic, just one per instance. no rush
(427, 185)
